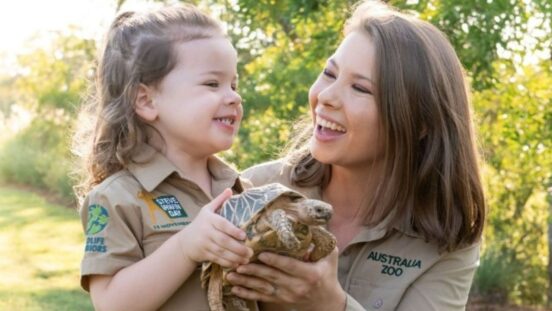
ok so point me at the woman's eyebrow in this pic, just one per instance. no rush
(333, 62)
(354, 75)
(362, 77)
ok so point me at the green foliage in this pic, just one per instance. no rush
(56, 77)
(493, 279)
(478, 30)
(7, 96)
(515, 128)
(39, 156)
(51, 83)
(265, 134)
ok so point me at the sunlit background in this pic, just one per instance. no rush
(47, 52)
(27, 23)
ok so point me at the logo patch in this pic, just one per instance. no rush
(170, 205)
(95, 245)
(394, 265)
(97, 219)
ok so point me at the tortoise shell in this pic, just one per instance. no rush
(246, 207)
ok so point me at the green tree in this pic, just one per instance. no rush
(57, 76)
(51, 82)
(515, 129)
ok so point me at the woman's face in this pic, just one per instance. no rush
(344, 111)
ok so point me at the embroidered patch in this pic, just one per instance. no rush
(97, 219)
(95, 245)
(170, 205)
(394, 265)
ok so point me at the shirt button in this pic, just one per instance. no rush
(378, 303)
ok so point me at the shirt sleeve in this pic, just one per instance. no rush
(113, 232)
(446, 285)
(266, 173)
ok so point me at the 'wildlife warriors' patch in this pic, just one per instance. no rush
(97, 219)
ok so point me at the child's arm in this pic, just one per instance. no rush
(214, 239)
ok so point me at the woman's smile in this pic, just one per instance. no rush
(326, 130)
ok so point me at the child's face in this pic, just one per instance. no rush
(344, 111)
(198, 108)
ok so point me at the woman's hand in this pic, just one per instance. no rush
(287, 281)
(210, 237)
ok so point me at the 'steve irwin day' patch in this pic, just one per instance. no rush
(170, 205)
(98, 219)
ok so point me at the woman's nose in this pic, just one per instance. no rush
(329, 96)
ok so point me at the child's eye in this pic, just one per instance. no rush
(361, 89)
(328, 73)
(234, 87)
(212, 84)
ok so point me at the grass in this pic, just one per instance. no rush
(40, 251)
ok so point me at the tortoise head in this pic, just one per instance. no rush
(314, 212)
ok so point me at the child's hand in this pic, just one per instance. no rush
(210, 237)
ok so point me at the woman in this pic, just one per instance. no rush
(391, 147)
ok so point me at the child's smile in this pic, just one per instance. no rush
(227, 123)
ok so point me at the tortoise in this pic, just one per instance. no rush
(275, 219)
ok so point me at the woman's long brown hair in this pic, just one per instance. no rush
(431, 179)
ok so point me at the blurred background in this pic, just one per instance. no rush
(47, 51)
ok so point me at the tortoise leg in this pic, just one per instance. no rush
(235, 303)
(214, 290)
(281, 224)
(323, 241)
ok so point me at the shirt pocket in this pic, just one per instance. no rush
(375, 296)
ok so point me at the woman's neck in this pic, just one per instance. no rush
(351, 189)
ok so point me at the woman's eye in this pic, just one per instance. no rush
(328, 73)
(361, 89)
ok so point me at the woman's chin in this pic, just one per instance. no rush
(320, 153)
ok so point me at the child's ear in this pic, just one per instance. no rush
(144, 106)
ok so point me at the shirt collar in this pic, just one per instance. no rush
(224, 175)
(151, 168)
(380, 230)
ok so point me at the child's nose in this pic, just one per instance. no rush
(233, 98)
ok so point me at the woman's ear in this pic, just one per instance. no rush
(144, 106)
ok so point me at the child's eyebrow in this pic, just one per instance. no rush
(218, 73)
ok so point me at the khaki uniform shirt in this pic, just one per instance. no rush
(400, 272)
(131, 213)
